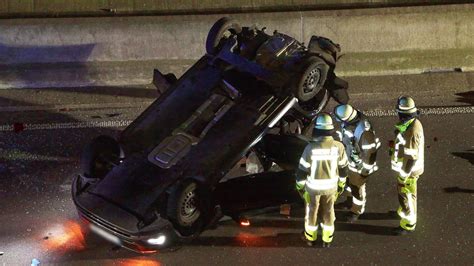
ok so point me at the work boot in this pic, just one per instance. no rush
(352, 217)
(308, 242)
(399, 231)
(326, 244)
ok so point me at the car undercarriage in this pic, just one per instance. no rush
(166, 176)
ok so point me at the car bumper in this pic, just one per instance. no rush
(137, 240)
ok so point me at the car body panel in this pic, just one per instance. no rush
(199, 128)
(172, 108)
(137, 183)
(256, 191)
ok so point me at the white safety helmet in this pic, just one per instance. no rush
(406, 105)
(324, 122)
(345, 112)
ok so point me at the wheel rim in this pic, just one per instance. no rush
(189, 211)
(311, 81)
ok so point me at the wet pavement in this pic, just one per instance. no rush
(38, 219)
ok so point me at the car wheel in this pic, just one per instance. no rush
(100, 156)
(312, 79)
(218, 31)
(187, 208)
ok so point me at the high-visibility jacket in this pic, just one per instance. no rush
(322, 165)
(361, 146)
(408, 155)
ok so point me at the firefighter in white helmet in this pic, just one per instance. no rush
(320, 176)
(358, 136)
(407, 161)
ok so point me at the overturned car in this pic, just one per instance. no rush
(166, 177)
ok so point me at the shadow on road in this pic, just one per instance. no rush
(248, 238)
(245, 239)
(366, 228)
(466, 97)
(457, 190)
(390, 215)
(467, 155)
(149, 92)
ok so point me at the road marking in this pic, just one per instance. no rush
(124, 123)
(75, 106)
(425, 111)
(15, 155)
(70, 125)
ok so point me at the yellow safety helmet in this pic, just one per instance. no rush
(406, 105)
(324, 122)
(345, 112)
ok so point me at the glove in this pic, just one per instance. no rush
(402, 180)
(355, 158)
(408, 185)
(306, 197)
(300, 188)
(300, 185)
(340, 187)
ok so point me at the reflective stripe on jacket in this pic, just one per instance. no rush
(408, 157)
(322, 160)
(361, 146)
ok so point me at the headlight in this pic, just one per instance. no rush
(160, 240)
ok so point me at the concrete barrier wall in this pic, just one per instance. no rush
(377, 33)
(183, 37)
(110, 7)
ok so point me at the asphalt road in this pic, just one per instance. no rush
(38, 219)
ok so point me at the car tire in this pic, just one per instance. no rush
(187, 208)
(100, 156)
(218, 30)
(312, 79)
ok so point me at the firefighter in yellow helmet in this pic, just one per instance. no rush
(321, 175)
(407, 157)
(358, 136)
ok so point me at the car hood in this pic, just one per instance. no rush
(135, 185)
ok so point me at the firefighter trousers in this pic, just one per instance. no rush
(407, 199)
(357, 185)
(325, 205)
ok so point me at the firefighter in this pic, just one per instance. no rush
(407, 161)
(358, 136)
(320, 177)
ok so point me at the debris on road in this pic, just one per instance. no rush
(18, 127)
(285, 209)
(112, 115)
(35, 262)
